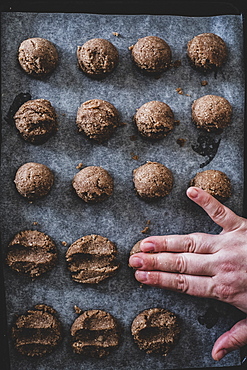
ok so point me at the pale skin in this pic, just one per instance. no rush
(203, 265)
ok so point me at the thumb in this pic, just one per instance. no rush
(233, 339)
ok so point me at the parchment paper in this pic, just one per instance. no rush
(65, 217)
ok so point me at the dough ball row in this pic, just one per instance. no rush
(94, 184)
(97, 119)
(99, 57)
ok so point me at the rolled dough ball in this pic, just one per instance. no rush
(92, 259)
(154, 119)
(32, 253)
(152, 54)
(95, 333)
(33, 180)
(97, 119)
(36, 121)
(211, 112)
(152, 180)
(97, 57)
(207, 51)
(213, 182)
(37, 56)
(156, 330)
(37, 332)
(93, 184)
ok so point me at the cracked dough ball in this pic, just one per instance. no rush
(152, 54)
(93, 184)
(211, 112)
(33, 180)
(97, 57)
(97, 119)
(213, 182)
(152, 180)
(36, 121)
(154, 119)
(37, 57)
(156, 330)
(207, 51)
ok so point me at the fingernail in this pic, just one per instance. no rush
(136, 262)
(193, 193)
(147, 246)
(141, 276)
(220, 354)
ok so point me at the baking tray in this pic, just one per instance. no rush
(131, 8)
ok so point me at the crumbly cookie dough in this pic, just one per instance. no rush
(156, 330)
(211, 112)
(97, 58)
(152, 180)
(97, 119)
(136, 248)
(37, 332)
(154, 119)
(152, 55)
(95, 333)
(92, 259)
(32, 253)
(33, 180)
(36, 121)
(207, 51)
(93, 184)
(37, 56)
(214, 182)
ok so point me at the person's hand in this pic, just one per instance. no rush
(203, 265)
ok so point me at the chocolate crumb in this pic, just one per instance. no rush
(115, 34)
(35, 223)
(131, 47)
(77, 310)
(64, 243)
(177, 122)
(181, 142)
(134, 156)
(133, 137)
(146, 230)
(179, 91)
(148, 222)
(176, 63)
(79, 166)
(204, 83)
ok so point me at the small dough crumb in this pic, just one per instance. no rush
(181, 142)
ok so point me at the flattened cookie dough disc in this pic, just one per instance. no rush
(207, 51)
(154, 120)
(213, 182)
(37, 56)
(152, 55)
(97, 119)
(93, 184)
(152, 180)
(36, 121)
(32, 253)
(211, 112)
(33, 180)
(92, 259)
(97, 58)
(95, 333)
(156, 330)
(37, 332)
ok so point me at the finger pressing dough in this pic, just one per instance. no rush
(37, 56)
(95, 333)
(37, 332)
(32, 253)
(156, 330)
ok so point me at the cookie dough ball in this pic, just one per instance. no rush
(211, 112)
(36, 121)
(156, 330)
(136, 248)
(97, 119)
(152, 55)
(95, 333)
(37, 332)
(213, 182)
(32, 253)
(33, 180)
(152, 180)
(38, 57)
(93, 184)
(92, 259)
(207, 51)
(154, 119)
(97, 58)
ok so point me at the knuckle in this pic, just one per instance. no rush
(164, 243)
(181, 283)
(189, 244)
(224, 292)
(154, 278)
(180, 264)
(219, 212)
